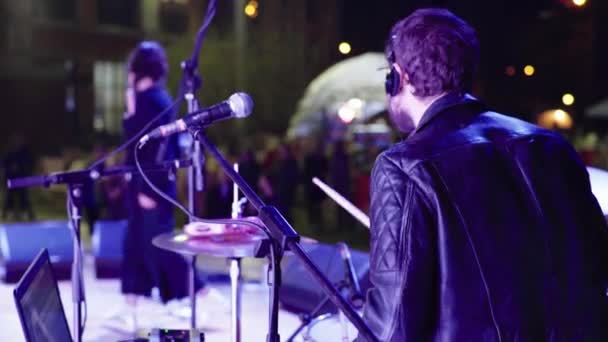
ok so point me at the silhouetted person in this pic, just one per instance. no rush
(219, 195)
(340, 181)
(249, 169)
(91, 205)
(18, 162)
(287, 177)
(315, 165)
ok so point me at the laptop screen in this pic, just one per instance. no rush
(39, 305)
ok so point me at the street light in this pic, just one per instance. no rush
(344, 48)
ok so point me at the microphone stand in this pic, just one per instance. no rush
(283, 238)
(75, 181)
(190, 83)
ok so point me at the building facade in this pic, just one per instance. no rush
(62, 62)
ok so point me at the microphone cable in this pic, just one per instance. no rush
(190, 215)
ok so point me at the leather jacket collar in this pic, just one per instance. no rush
(438, 107)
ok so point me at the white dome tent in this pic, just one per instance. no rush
(358, 80)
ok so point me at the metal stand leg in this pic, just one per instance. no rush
(192, 289)
(235, 281)
(75, 196)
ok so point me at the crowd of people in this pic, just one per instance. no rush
(281, 176)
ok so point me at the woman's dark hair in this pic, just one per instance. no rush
(148, 59)
(438, 50)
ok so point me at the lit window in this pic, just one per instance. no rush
(109, 81)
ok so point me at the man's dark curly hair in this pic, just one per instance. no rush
(148, 59)
(438, 50)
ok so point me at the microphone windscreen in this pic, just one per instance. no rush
(241, 104)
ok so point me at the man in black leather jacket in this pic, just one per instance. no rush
(483, 227)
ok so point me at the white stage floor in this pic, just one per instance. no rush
(104, 300)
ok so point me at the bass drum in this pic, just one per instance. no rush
(329, 328)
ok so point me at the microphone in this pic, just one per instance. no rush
(238, 105)
(349, 269)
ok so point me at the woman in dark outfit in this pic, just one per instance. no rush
(144, 265)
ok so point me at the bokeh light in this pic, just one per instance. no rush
(529, 70)
(510, 71)
(568, 99)
(347, 114)
(579, 3)
(251, 9)
(555, 119)
(344, 48)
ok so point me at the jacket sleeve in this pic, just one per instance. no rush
(401, 299)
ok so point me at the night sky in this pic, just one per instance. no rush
(555, 36)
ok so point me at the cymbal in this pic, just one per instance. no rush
(224, 245)
(203, 229)
(217, 239)
(199, 229)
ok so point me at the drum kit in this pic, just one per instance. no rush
(232, 242)
(235, 242)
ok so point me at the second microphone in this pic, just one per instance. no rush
(238, 105)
